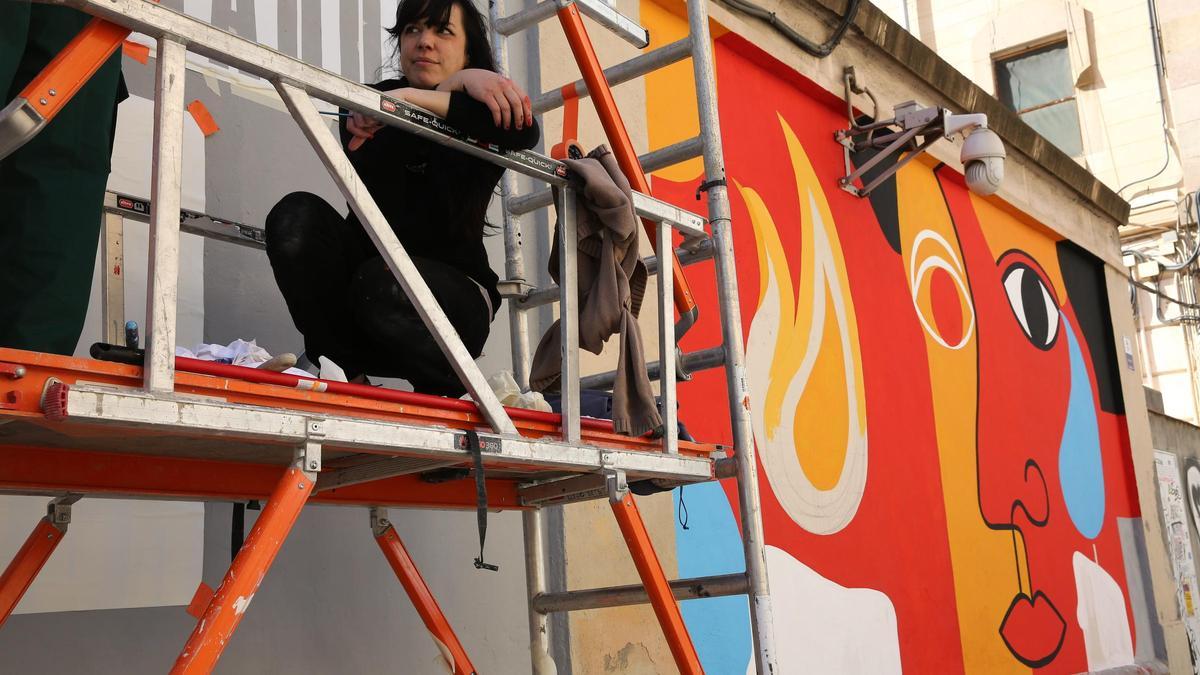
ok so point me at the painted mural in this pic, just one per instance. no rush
(941, 437)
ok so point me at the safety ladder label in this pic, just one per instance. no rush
(486, 443)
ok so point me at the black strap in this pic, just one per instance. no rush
(481, 501)
(708, 185)
(683, 511)
(237, 529)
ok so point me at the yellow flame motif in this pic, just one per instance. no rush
(804, 363)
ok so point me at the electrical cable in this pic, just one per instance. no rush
(1156, 46)
(1150, 289)
(818, 50)
(1190, 201)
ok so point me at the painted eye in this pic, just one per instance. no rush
(1035, 309)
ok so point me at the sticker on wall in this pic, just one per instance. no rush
(1192, 475)
(1179, 543)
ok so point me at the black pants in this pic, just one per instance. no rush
(52, 188)
(349, 306)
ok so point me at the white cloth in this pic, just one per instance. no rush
(238, 353)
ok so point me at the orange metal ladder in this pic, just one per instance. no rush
(595, 83)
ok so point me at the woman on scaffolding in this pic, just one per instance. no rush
(341, 294)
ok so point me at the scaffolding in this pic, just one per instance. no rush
(186, 429)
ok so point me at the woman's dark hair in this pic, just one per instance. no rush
(437, 13)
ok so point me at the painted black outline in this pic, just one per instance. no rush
(1011, 526)
(1043, 280)
(1036, 522)
(1047, 660)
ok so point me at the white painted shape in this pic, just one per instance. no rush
(266, 22)
(1051, 315)
(1012, 286)
(131, 157)
(331, 36)
(1102, 616)
(444, 657)
(201, 9)
(827, 628)
(242, 604)
(117, 554)
(391, 67)
(816, 510)
(951, 265)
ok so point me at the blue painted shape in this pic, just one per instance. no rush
(712, 544)
(1080, 470)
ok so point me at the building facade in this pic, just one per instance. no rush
(955, 453)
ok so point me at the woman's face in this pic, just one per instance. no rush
(429, 54)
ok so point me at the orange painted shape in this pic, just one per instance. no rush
(241, 582)
(204, 119)
(136, 51)
(423, 600)
(618, 137)
(650, 570)
(25, 566)
(203, 596)
(74, 65)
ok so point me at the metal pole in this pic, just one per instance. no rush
(418, 592)
(541, 663)
(651, 161)
(549, 294)
(620, 25)
(34, 553)
(731, 329)
(568, 284)
(535, 582)
(112, 278)
(658, 590)
(162, 293)
(524, 18)
(703, 359)
(616, 133)
(393, 252)
(636, 594)
(620, 73)
(666, 346)
(514, 258)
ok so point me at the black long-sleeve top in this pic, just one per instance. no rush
(435, 197)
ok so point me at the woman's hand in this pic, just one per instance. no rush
(509, 104)
(361, 128)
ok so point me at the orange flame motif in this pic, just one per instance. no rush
(804, 363)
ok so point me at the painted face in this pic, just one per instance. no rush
(431, 53)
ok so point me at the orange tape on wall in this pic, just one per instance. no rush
(204, 119)
(136, 51)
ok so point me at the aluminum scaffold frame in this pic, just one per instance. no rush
(360, 445)
(595, 83)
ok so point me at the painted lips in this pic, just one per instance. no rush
(1033, 629)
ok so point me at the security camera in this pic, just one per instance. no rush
(912, 130)
(982, 152)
